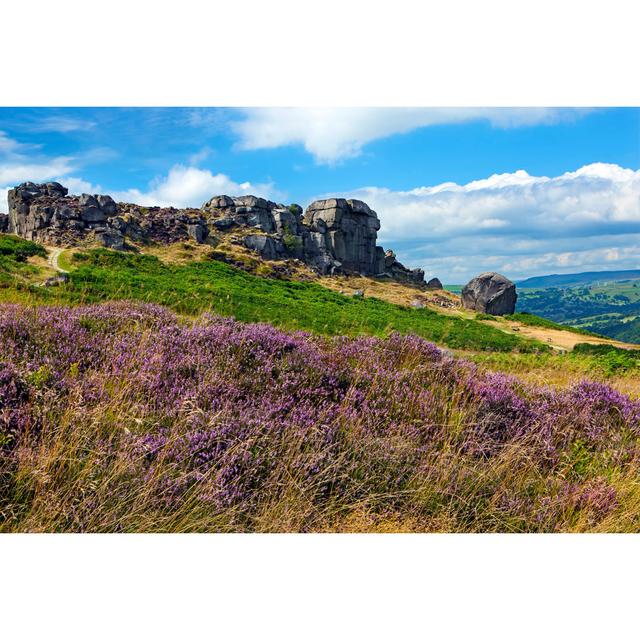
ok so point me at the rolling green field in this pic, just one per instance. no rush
(607, 308)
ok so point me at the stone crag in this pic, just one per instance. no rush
(331, 236)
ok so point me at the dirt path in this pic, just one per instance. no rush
(52, 259)
(562, 340)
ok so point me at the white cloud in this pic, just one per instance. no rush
(183, 186)
(332, 135)
(190, 187)
(516, 223)
(16, 172)
(61, 124)
(10, 148)
(200, 156)
(19, 162)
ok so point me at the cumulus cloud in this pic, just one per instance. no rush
(516, 223)
(183, 186)
(16, 172)
(189, 187)
(20, 162)
(332, 135)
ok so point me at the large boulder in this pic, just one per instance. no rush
(217, 202)
(490, 293)
(4, 222)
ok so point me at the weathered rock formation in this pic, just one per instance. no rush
(434, 283)
(333, 235)
(4, 223)
(46, 213)
(490, 293)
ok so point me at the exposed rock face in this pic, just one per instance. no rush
(434, 283)
(333, 235)
(490, 293)
(349, 229)
(266, 246)
(4, 222)
(46, 213)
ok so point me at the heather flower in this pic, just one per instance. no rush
(127, 409)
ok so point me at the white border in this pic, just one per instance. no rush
(323, 586)
(334, 53)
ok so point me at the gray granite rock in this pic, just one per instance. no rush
(198, 232)
(111, 239)
(266, 246)
(490, 293)
(93, 215)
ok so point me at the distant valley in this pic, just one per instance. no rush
(605, 302)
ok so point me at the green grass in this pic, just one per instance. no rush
(14, 252)
(612, 360)
(214, 286)
(15, 248)
(65, 260)
(537, 321)
(602, 361)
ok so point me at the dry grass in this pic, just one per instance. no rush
(563, 340)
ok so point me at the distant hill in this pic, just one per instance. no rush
(575, 279)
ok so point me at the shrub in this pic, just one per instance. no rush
(291, 242)
(18, 249)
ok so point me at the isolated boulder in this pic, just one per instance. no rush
(434, 283)
(490, 293)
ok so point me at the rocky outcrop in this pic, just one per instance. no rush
(4, 223)
(434, 283)
(490, 293)
(332, 236)
(47, 213)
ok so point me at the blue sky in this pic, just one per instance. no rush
(458, 191)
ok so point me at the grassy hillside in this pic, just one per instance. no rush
(126, 416)
(214, 286)
(537, 321)
(14, 252)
